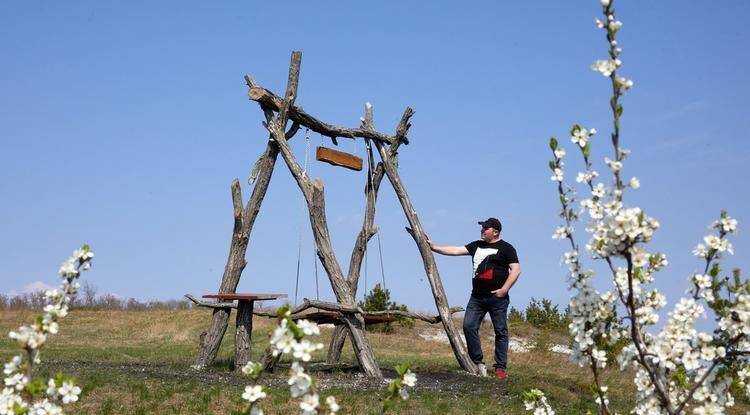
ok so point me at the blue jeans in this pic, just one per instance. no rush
(477, 308)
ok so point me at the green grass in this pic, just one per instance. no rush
(139, 363)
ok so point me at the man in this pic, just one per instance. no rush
(495, 270)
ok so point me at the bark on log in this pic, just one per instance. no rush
(268, 100)
(314, 198)
(242, 337)
(441, 301)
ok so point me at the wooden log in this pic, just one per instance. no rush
(268, 100)
(441, 301)
(243, 333)
(314, 197)
(243, 224)
(338, 338)
(338, 158)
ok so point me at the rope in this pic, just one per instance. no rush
(302, 217)
(382, 270)
(371, 177)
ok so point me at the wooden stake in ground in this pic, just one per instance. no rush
(244, 219)
(314, 197)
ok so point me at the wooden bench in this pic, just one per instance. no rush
(242, 336)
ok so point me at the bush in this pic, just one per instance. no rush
(544, 315)
(379, 299)
(515, 316)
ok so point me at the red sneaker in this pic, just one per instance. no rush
(500, 374)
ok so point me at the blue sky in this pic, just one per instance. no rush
(123, 124)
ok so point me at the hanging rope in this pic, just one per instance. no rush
(302, 218)
(371, 178)
(382, 270)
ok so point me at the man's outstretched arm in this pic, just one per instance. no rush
(448, 250)
(445, 250)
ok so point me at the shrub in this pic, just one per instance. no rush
(379, 299)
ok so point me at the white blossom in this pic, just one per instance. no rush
(299, 381)
(410, 379)
(561, 232)
(332, 404)
(308, 327)
(557, 175)
(605, 67)
(581, 136)
(727, 225)
(253, 393)
(587, 176)
(69, 392)
(13, 365)
(613, 164)
(17, 381)
(309, 404)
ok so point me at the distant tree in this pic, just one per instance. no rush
(89, 294)
(379, 299)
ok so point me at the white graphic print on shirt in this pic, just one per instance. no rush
(480, 255)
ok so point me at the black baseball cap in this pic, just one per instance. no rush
(492, 223)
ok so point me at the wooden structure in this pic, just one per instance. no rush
(278, 113)
(244, 329)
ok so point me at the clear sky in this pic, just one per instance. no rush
(123, 124)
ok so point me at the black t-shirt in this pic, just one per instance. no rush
(491, 265)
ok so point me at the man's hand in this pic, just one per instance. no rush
(411, 232)
(501, 292)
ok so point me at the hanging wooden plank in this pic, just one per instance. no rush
(338, 158)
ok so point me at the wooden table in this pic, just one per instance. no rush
(244, 330)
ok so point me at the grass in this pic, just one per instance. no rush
(138, 362)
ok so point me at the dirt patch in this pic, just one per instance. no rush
(329, 377)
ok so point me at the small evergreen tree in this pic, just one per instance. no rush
(379, 299)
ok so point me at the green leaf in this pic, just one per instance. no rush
(402, 368)
(736, 275)
(680, 377)
(587, 150)
(553, 143)
(576, 128)
(618, 111)
(714, 270)
(638, 274)
(552, 165)
(36, 388)
(18, 410)
(283, 310)
(86, 248)
(297, 332)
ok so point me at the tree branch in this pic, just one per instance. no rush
(269, 100)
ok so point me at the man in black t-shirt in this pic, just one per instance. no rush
(495, 270)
